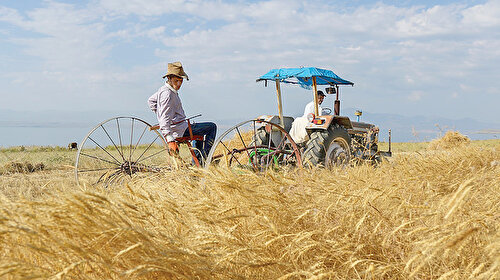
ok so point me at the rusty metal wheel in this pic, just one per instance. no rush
(244, 146)
(118, 149)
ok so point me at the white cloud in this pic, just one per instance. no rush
(71, 39)
(10, 15)
(485, 15)
(156, 33)
(415, 96)
(225, 45)
(433, 21)
(151, 8)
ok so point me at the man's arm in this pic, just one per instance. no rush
(153, 102)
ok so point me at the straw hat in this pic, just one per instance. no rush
(175, 68)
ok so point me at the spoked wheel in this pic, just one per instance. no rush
(119, 148)
(255, 145)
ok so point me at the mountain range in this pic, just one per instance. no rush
(59, 125)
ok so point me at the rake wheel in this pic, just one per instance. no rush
(255, 145)
(119, 149)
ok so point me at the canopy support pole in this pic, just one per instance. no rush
(280, 106)
(315, 92)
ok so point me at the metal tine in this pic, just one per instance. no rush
(162, 150)
(98, 169)
(119, 163)
(150, 168)
(269, 144)
(254, 142)
(112, 142)
(138, 159)
(120, 136)
(96, 157)
(232, 155)
(245, 146)
(131, 137)
(139, 140)
(278, 147)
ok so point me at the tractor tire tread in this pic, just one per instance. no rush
(316, 147)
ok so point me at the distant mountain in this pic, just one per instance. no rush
(61, 127)
(425, 128)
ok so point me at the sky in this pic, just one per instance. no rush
(410, 58)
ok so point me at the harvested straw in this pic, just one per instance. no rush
(21, 167)
(451, 139)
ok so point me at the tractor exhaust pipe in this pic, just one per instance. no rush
(336, 105)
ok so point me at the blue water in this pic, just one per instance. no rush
(53, 135)
(62, 135)
(41, 136)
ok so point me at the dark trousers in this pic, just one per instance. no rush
(208, 130)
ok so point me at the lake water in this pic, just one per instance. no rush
(55, 134)
(64, 134)
(41, 136)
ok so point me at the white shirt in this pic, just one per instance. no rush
(168, 108)
(310, 109)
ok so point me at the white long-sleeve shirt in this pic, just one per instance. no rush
(168, 108)
(310, 109)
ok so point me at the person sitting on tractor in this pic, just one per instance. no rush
(310, 106)
(298, 131)
(168, 108)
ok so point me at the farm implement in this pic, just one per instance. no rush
(123, 147)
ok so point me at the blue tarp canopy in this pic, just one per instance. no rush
(303, 76)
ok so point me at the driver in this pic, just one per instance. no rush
(298, 131)
(310, 106)
(168, 108)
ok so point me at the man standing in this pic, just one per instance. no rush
(168, 108)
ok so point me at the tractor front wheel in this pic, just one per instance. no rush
(328, 148)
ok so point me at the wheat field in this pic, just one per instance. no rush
(430, 212)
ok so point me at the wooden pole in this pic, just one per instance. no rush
(280, 106)
(315, 92)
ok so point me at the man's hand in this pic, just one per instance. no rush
(173, 147)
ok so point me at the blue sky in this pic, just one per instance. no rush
(437, 58)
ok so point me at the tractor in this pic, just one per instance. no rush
(333, 140)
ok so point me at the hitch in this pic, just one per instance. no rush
(389, 152)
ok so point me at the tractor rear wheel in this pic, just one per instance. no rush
(328, 148)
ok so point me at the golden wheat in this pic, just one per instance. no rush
(418, 216)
